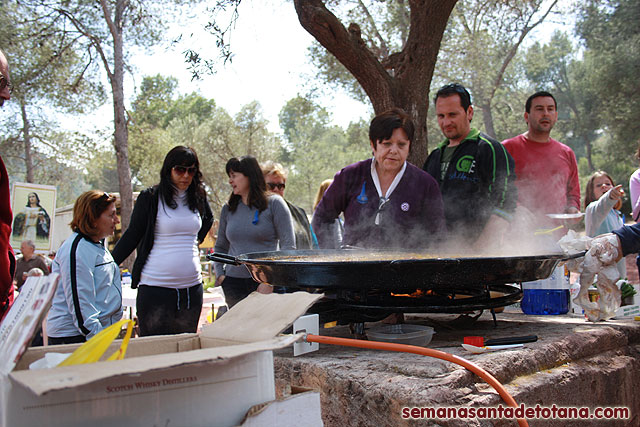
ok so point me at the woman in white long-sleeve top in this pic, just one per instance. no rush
(251, 221)
(89, 294)
(167, 223)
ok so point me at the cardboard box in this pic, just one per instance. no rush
(300, 409)
(207, 379)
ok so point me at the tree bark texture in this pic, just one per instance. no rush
(403, 79)
(121, 135)
(487, 118)
(26, 134)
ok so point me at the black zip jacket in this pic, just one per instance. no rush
(479, 182)
(141, 231)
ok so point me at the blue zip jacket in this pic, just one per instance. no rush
(89, 294)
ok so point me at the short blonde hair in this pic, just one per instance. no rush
(273, 168)
(323, 187)
(88, 208)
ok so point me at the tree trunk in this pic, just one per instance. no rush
(121, 136)
(487, 119)
(26, 134)
(587, 144)
(406, 84)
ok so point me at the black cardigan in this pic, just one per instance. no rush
(141, 231)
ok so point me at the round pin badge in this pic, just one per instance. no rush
(404, 206)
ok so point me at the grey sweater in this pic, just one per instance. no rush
(237, 233)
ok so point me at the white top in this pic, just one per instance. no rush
(394, 183)
(384, 198)
(174, 260)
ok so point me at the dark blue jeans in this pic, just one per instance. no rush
(168, 311)
(76, 339)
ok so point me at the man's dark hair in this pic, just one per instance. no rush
(383, 125)
(527, 106)
(455, 89)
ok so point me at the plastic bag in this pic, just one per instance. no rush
(50, 360)
(600, 261)
(92, 350)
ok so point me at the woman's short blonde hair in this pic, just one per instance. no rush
(323, 187)
(88, 208)
(273, 168)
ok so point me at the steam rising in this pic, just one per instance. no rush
(524, 236)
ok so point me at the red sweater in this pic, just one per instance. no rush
(7, 260)
(546, 175)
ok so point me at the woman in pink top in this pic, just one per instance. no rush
(634, 191)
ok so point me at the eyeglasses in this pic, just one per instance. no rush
(273, 186)
(191, 170)
(4, 82)
(105, 195)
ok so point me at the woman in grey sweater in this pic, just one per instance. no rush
(251, 221)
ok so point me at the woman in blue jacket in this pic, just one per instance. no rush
(89, 293)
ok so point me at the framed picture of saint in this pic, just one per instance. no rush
(33, 208)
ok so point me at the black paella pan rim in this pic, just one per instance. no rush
(314, 256)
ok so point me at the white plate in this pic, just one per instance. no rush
(566, 215)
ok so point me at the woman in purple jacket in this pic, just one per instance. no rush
(386, 202)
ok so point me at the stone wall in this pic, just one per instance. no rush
(574, 363)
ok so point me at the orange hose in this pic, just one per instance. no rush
(376, 345)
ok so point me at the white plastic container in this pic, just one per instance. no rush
(402, 334)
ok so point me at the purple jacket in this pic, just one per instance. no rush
(412, 218)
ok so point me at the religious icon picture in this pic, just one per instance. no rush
(33, 208)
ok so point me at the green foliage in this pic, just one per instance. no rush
(51, 79)
(555, 67)
(162, 120)
(316, 150)
(627, 290)
(612, 38)
(102, 173)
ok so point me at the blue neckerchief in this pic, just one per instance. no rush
(255, 218)
(362, 198)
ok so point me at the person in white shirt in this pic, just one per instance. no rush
(168, 222)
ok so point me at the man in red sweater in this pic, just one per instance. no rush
(7, 260)
(546, 169)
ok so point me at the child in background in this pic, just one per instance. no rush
(602, 203)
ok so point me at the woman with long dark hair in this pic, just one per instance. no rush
(168, 222)
(251, 221)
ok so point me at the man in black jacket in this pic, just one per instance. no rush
(475, 173)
